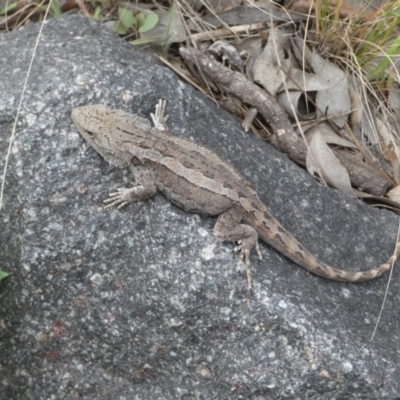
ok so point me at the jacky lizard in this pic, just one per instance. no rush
(198, 180)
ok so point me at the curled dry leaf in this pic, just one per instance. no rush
(321, 159)
(383, 202)
(298, 100)
(227, 52)
(336, 99)
(329, 136)
(300, 80)
(394, 194)
(363, 114)
(263, 66)
(301, 51)
(248, 46)
(304, 81)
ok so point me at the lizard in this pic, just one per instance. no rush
(197, 180)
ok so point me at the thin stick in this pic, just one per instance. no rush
(19, 109)
(387, 287)
(216, 33)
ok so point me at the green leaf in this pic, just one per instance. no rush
(96, 13)
(140, 19)
(126, 17)
(120, 29)
(3, 274)
(55, 6)
(380, 70)
(8, 8)
(149, 23)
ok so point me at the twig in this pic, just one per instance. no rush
(217, 33)
(394, 256)
(237, 84)
(19, 109)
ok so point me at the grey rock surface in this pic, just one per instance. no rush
(142, 302)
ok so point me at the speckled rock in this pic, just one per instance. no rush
(142, 302)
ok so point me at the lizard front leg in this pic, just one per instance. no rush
(159, 118)
(145, 187)
(229, 228)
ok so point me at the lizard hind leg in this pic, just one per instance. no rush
(229, 228)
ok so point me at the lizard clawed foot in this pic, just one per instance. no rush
(159, 118)
(244, 247)
(123, 197)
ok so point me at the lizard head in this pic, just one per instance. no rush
(96, 123)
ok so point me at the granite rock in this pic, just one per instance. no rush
(142, 302)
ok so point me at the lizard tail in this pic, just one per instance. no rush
(272, 232)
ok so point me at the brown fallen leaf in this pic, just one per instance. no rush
(320, 159)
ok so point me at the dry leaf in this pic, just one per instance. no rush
(336, 99)
(390, 155)
(394, 194)
(321, 159)
(228, 52)
(363, 113)
(329, 136)
(356, 110)
(300, 80)
(301, 51)
(384, 132)
(300, 105)
(264, 66)
(394, 96)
